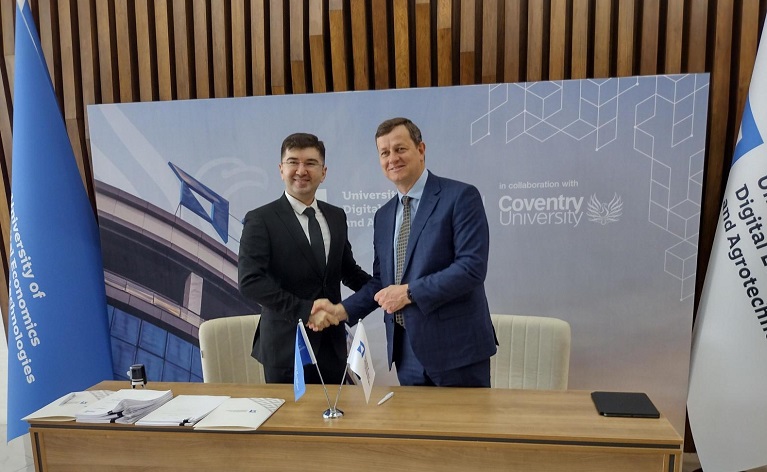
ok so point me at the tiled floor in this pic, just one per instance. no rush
(17, 456)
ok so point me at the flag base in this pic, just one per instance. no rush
(332, 413)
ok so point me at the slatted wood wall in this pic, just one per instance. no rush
(109, 51)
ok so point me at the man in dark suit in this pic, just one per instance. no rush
(293, 251)
(437, 318)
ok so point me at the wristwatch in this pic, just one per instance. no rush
(410, 295)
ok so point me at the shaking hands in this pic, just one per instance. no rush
(324, 313)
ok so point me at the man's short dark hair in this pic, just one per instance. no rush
(303, 141)
(387, 126)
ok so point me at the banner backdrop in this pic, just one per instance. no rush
(591, 188)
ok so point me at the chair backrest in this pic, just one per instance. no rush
(533, 353)
(225, 347)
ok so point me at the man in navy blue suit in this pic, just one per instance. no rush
(437, 319)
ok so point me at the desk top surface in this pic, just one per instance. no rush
(430, 412)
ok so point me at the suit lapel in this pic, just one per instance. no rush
(429, 199)
(387, 220)
(288, 217)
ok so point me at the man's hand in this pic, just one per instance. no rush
(324, 313)
(392, 298)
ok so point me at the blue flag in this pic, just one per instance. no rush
(58, 333)
(725, 400)
(303, 356)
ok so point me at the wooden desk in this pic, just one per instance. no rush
(419, 429)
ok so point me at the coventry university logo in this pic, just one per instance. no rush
(604, 213)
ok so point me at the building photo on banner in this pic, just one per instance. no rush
(591, 188)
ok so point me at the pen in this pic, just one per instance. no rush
(66, 399)
(386, 397)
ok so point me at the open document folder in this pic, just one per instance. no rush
(183, 410)
(240, 414)
(123, 406)
(64, 408)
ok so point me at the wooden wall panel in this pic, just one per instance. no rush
(674, 36)
(277, 40)
(626, 39)
(106, 51)
(444, 42)
(467, 40)
(648, 62)
(239, 41)
(221, 47)
(514, 44)
(380, 43)
(145, 53)
(296, 46)
(360, 44)
(423, 56)
(489, 62)
(603, 40)
(558, 31)
(579, 55)
(401, 43)
(125, 25)
(182, 50)
(259, 47)
(163, 28)
(317, 39)
(339, 54)
(201, 49)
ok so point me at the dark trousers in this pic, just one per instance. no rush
(411, 372)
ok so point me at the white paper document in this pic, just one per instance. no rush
(65, 407)
(123, 406)
(183, 410)
(240, 414)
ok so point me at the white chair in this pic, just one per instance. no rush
(225, 347)
(533, 353)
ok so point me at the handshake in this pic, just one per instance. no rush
(325, 313)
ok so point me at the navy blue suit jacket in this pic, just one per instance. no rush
(449, 322)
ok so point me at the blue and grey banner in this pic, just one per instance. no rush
(591, 187)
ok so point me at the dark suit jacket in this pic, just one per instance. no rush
(278, 271)
(449, 322)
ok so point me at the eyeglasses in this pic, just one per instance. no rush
(308, 165)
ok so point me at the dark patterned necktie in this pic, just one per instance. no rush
(402, 237)
(315, 238)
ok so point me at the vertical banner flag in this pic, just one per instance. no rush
(359, 360)
(58, 333)
(728, 380)
(303, 356)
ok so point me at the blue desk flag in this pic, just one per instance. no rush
(303, 356)
(58, 333)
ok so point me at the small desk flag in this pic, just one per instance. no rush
(360, 361)
(303, 356)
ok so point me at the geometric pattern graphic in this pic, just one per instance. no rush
(662, 121)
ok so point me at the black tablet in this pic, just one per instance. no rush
(625, 404)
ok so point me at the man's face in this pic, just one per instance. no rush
(401, 159)
(303, 171)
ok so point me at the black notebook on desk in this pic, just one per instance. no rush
(625, 404)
